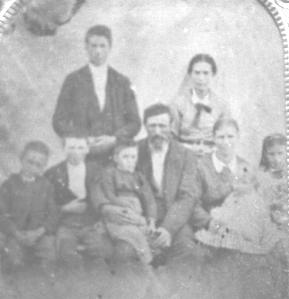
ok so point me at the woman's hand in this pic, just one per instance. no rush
(216, 226)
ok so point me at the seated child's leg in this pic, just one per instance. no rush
(136, 242)
(97, 243)
(67, 242)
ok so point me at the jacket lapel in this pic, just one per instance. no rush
(172, 169)
(91, 96)
(144, 161)
(172, 172)
(62, 174)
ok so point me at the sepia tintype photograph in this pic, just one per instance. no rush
(143, 149)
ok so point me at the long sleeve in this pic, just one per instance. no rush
(102, 191)
(7, 226)
(187, 198)
(52, 212)
(200, 217)
(132, 120)
(148, 198)
(62, 119)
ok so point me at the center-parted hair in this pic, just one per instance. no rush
(202, 58)
(268, 142)
(35, 146)
(99, 30)
(156, 109)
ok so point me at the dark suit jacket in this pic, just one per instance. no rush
(58, 176)
(77, 110)
(27, 206)
(181, 190)
(215, 187)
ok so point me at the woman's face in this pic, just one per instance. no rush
(276, 156)
(226, 140)
(201, 76)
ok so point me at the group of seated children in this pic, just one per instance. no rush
(51, 214)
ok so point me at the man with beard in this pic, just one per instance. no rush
(171, 170)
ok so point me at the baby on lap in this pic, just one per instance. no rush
(245, 217)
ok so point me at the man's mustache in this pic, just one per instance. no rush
(158, 138)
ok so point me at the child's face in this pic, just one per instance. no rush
(76, 149)
(33, 164)
(280, 216)
(126, 159)
(276, 157)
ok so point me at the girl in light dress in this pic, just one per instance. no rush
(272, 177)
(273, 187)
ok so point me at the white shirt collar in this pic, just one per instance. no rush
(78, 166)
(219, 165)
(196, 99)
(98, 69)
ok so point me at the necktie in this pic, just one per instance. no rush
(199, 109)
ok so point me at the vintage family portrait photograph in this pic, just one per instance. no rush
(143, 149)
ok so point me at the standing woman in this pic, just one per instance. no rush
(196, 107)
(232, 273)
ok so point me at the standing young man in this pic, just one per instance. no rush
(96, 101)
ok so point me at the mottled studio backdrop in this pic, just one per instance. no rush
(153, 42)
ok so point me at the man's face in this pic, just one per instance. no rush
(33, 164)
(98, 49)
(76, 149)
(159, 130)
(126, 159)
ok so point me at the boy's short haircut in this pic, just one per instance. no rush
(123, 145)
(99, 30)
(156, 109)
(35, 146)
